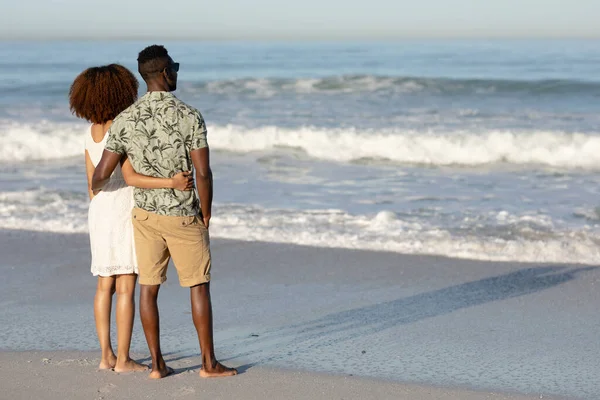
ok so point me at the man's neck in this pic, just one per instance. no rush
(157, 87)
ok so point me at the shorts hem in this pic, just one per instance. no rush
(151, 281)
(195, 282)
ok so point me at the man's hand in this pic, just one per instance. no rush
(206, 220)
(104, 169)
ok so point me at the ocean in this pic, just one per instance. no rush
(481, 149)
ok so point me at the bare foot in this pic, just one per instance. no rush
(218, 370)
(161, 373)
(130, 366)
(108, 362)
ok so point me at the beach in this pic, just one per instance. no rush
(309, 322)
(410, 219)
(55, 374)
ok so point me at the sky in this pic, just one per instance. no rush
(297, 20)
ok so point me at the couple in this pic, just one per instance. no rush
(152, 144)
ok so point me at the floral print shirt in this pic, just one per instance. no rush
(157, 133)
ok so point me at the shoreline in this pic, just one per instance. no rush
(451, 326)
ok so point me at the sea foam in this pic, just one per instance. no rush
(555, 149)
(522, 238)
(48, 140)
(41, 140)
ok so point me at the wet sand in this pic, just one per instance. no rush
(353, 323)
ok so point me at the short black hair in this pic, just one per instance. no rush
(152, 59)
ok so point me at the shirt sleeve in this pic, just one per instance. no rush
(114, 143)
(199, 133)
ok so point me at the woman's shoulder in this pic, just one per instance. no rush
(95, 137)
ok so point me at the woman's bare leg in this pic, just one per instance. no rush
(102, 308)
(125, 312)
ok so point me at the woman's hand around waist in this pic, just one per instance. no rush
(183, 181)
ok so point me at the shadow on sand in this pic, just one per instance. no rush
(346, 325)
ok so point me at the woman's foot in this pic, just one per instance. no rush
(129, 366)
(217, 370)
(108, 362)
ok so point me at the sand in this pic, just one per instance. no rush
(357, 324)
(72, 375)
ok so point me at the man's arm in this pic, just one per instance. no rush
(104, 169)
(204, 181)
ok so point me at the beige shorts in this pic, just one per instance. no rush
(160, 237)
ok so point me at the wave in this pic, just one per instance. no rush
(518, 238)
(554, 149)
(47, 141)
(351, 84)
(266, 87)
(42, 140)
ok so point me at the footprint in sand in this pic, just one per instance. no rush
(107, 388)
(67, 362)
(184, 391)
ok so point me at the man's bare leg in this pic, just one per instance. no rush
(125, 311)
(150, 322)
(102, 308)
(202, 315)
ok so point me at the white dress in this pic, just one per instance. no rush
(109, 219)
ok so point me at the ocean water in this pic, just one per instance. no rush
(477, 149)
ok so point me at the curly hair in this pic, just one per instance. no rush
(99, 94)
(152, 60)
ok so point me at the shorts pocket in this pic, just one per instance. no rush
(187, 221)
(139, 215)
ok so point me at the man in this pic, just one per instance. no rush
(162, 136)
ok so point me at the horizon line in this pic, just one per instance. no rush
(293, 38)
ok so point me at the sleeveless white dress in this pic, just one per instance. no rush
(109, 219)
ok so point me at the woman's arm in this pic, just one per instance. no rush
(181, 181)
(89, 171)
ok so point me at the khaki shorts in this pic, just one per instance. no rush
(160, 237)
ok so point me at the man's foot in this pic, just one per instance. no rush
(161, 373)
(129, 366)
(108, 362)
(218, 370)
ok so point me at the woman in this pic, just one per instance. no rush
(98, 95)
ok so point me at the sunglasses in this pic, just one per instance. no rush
(175, 67)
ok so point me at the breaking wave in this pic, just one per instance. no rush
(48, 140)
